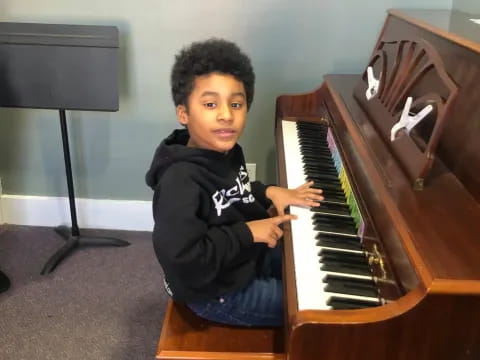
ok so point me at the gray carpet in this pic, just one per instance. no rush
(99, 303)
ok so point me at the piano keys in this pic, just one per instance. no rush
(388, 267)
(326, 241)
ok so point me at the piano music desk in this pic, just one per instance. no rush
(187, 336)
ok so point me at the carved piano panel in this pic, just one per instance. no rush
(399, 70)
(459, 49)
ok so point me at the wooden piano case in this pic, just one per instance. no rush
(428, 240)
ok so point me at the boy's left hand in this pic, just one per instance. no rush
(304, 195)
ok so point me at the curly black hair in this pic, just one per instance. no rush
(206, 57)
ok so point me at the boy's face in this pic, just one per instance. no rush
(217, 111)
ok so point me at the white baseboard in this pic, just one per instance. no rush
(91, 213)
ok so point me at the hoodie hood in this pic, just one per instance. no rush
(174, 149)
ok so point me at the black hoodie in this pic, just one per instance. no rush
(201, 204)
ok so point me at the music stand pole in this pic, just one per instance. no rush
(72, 236)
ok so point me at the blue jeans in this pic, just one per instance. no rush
(259, 304)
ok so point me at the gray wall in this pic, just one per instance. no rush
(468, 6)
(292, 45)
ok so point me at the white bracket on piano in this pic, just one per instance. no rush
(408, 121)
(373, 83)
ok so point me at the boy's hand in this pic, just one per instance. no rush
(268, 230)
(304, 195)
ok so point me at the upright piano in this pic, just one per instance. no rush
(388, 267)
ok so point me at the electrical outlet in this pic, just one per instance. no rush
(251, 170)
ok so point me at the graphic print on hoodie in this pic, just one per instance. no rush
(201, 203)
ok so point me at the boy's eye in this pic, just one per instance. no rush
(237, 105)
(209, 105)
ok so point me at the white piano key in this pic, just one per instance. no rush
(293, 156)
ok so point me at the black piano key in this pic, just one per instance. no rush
(315, 150)
(318, 218)
(312, 154)
(343, 262)
(338, 303)
(339, 242)
(345, 267)
(310, 151)
(325, 179)
(322, 224)
(339, 237)
(334, 229)
(350, 286)
(309, 135)
(319, 171)
(318, 174)
(335, 226)
(329, 228)
(315, 158)
(346, 217)
(332, 196)
(332, 208)
(314, 133)
(325, 187)
(346, 257)
(336, 193)
(328, 196)
(336, 204)
(332, 188)
(328, 202)
(312, 157)
(320, 167)
(342, 268)
(312, 141)
(328, 177)
(329, 210)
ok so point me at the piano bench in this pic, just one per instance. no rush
(187, 336)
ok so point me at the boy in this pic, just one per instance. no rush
(212, 232)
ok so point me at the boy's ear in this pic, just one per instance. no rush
(182, 114)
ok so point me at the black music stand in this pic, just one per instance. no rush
(64, 67)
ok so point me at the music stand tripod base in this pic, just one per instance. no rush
(74, 241)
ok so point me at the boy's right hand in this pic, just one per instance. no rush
(268, 230)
